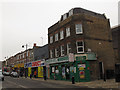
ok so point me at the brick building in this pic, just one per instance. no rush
(80, 31)
(116, 42)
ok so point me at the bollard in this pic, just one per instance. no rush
(73, 81)
(104, 78)
(44, 77)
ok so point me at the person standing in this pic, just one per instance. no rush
(35, 73)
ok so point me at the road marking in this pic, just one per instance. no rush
(16, 84)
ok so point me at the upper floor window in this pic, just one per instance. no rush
(64, 16)
(68, 48)
(67, 31)
(62, 50)
(51, 39)
(56, 52)
(61, 35)
(56, 37)
(23, 55)
(27, 53)
(71, 12)
(80, 46)
(78, 28)
(51, 53)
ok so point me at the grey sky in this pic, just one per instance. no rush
(26, 21)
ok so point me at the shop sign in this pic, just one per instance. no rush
(26, 65)
(36, 64)
(50, 61)
(71, 57)
(63, 59)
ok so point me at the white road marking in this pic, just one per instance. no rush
(16, 84)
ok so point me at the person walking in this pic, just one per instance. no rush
(35, 73)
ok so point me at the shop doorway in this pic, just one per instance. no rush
(68, 73)
(33, 70)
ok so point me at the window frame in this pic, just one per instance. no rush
(56, 52)
(80, 46)
(68, 48)
(51, 39)
(61, 34)
(67, 29)
(77, 27)
(51, 53)
(62, 51)
(56, 37)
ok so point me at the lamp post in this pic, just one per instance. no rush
(26, 58)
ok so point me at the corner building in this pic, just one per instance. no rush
(85, 37)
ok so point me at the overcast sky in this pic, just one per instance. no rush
(27, 21)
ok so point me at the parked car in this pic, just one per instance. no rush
(6, 73)
(1, 76)
(14, 74)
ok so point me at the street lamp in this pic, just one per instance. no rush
(26, 50)
(26, 58)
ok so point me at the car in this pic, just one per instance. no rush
(1, 76)
(14, 74)
(6, 73)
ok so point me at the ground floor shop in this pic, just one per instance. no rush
(63, 68)
(35, 69)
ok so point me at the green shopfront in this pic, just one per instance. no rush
(64, 68)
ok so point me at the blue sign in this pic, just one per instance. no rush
(26, 65)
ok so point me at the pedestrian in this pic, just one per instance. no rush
(35, 73)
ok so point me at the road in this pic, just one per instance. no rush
(26, 83)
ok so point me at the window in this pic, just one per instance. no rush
(61, 35)
(80, 46)
(71, 12)
(64, 16)
(51, 53)
(56, 52)
(68, 48)
(56, 37)
(27, 53)
(67, 31)
(23, 55)
(51, 39)
(78, 28)
(62, 50)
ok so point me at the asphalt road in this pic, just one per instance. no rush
(11, 83)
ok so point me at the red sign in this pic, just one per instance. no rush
(36, 64)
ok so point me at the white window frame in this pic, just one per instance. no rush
(78, 27)
(71, 12)
(56, 52)
(80, 47)
(51, 39)
(51, 53)
(62, 50)
(56, 37)
(64, 16)
(23, 55)
(61, 35)
(68, 49)
(67, 31)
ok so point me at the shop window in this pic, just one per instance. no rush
(80, 46)
(56, 37)
(51, 39)
(67, 31)
(63, 72)
(68, 48)
(61, 35)
(62, 50)
(78, 28)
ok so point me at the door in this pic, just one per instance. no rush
(67, 73)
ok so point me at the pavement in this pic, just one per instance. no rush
(109, 83)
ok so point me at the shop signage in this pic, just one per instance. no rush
(50, 61)
(63, 59)
(71, 57)
(36, 64)
(26, 65)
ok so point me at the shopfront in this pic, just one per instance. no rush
(64, 68)
(36, 66)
